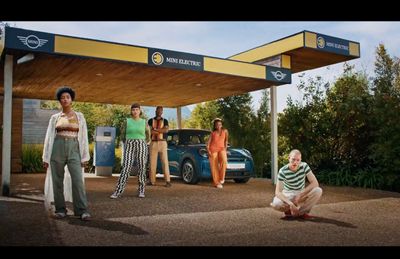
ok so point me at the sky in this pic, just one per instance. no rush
(224, 39)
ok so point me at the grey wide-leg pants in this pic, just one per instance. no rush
(66, 152)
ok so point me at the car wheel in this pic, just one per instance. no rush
(241, 180)
(189, 173)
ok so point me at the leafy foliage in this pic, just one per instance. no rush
(32, 158)
(385, 145)
(349, 132)
(203, 115)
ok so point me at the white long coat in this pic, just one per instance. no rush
(47, 150)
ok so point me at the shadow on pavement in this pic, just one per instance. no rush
(24, 222)
(27, 197)
(323, 220)
(107, 225)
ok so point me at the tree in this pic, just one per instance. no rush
(306, 125)
(237, 116)
(263, 112)
(261, 145)
(350, 104)
(203, 115)
(384, 65)
(119, 113)
(246, 129)
(386, 128)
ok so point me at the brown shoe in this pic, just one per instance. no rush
(288, 215)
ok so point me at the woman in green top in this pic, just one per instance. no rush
(135, 152)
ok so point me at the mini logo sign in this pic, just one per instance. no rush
(278, 75)
(175, 59)
(157, 58)
(32, 41)
(332, 44)
(321, 42)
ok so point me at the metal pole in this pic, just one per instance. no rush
(179, 117)
(7, 121)
(274, 135)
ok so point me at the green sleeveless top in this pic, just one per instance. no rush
(135, 129)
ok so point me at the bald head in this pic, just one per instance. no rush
(294, 159)
(294, 152)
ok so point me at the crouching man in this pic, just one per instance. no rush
(291, 195)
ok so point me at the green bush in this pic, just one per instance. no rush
(32, 158)
(89, 168)
(117, 164)
(395, 185)
(337, 178)
(369, 179)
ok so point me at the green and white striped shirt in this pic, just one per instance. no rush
(294, 181)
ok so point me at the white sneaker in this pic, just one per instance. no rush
(60, 215)
(85, 216)
(222, 182)
(114, 196)
(220, 186)
(141, 195)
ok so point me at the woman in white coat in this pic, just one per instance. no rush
(66, 147)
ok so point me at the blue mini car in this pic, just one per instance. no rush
(188, 157)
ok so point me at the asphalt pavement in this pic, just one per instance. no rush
(197, 215)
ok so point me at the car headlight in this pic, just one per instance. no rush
(203, 152)
(247, 152)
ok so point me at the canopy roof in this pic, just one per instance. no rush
(302, 51)
(106, 72)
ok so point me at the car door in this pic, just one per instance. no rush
(173, 152)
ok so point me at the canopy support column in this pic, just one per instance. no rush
(179, 117)
(7, 122)
(274, 134)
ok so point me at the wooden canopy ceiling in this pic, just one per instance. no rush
(114, 73)
(102, 81)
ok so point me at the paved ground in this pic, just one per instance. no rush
(197, 215)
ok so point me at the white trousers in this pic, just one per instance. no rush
(306, 204)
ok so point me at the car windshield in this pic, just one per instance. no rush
(194, 137)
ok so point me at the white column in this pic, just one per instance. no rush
(179, 117)
(274, 135)
(7, 119)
